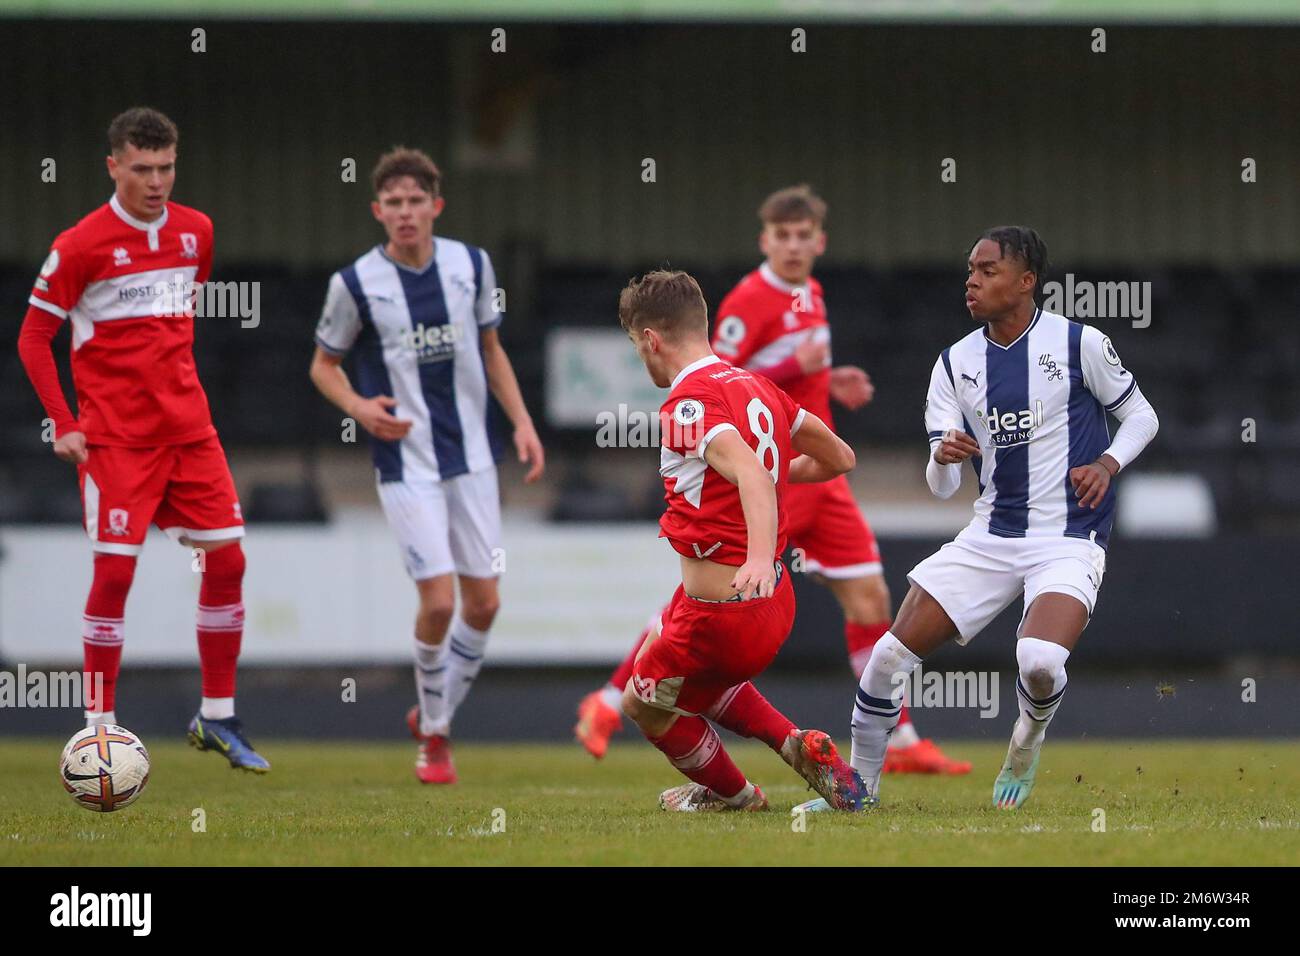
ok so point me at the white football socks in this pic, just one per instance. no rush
(464, 660)
(612, 696)
(217, 708)
(1039, 688)
(94, 719)
(430, 683)
(876, 709)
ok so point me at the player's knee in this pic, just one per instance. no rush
(226, 564)
(480, 612)
(869, 602)
(1041, 664)
(113, 574)
(435, 613)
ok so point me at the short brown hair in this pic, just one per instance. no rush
(793, 204)
(401, 161)
(671, 302)
(143, 128)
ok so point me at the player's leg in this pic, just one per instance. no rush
(954, 594)
(841, 548)
(430, 719)
(474, 535)
(600, 712)
(1060, 593)
(417, 513)
(660, 681)
(479, 601)
(437, 603)
(747, 713)
(220, 631)
(866, 599)
(102, 632)
(201, 512)
(120, 491)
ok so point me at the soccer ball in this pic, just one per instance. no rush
(104, 768)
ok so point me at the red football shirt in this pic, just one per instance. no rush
(704, 517)
(763, 320)
(127, 287)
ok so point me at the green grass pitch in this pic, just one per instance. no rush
(1165, 803)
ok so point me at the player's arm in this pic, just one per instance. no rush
(730, 456)
(738, 339)
(950, 444)
(337, 330)
(505, 386)
(823, 455)
(35, 349)
(56, 292)
(501, 373)
(1115, 387)
(373, 414)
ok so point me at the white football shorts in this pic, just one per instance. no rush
(446, 526)
(977, 575)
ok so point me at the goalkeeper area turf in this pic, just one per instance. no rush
(1103, 803)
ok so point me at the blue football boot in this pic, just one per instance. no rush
(227, 738)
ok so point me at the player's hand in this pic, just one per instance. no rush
(851, 387)
(529, 447)
(71, 447)
(957, 446)
(1091, 482)
(375, 415)
(812, 356)
(755, 579)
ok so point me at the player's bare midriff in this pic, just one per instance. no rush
(707, 580)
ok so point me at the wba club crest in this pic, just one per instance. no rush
(117, 521)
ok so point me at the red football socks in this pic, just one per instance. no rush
(694, 748)
(101, 629)
(744, 711)
(221, 619)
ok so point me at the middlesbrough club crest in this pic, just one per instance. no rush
(189, 245)
(117, 521)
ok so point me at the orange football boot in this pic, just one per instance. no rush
(597, 722)
(923, 756)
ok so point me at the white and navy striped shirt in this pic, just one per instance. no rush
(1038, 408)
(416, 336)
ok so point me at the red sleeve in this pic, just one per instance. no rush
(737, 334)
(62, 280)
(38, 331)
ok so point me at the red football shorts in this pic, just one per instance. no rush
(706, 647)
(184, 489)
(822, 520)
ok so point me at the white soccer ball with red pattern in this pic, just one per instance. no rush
(104, 768)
